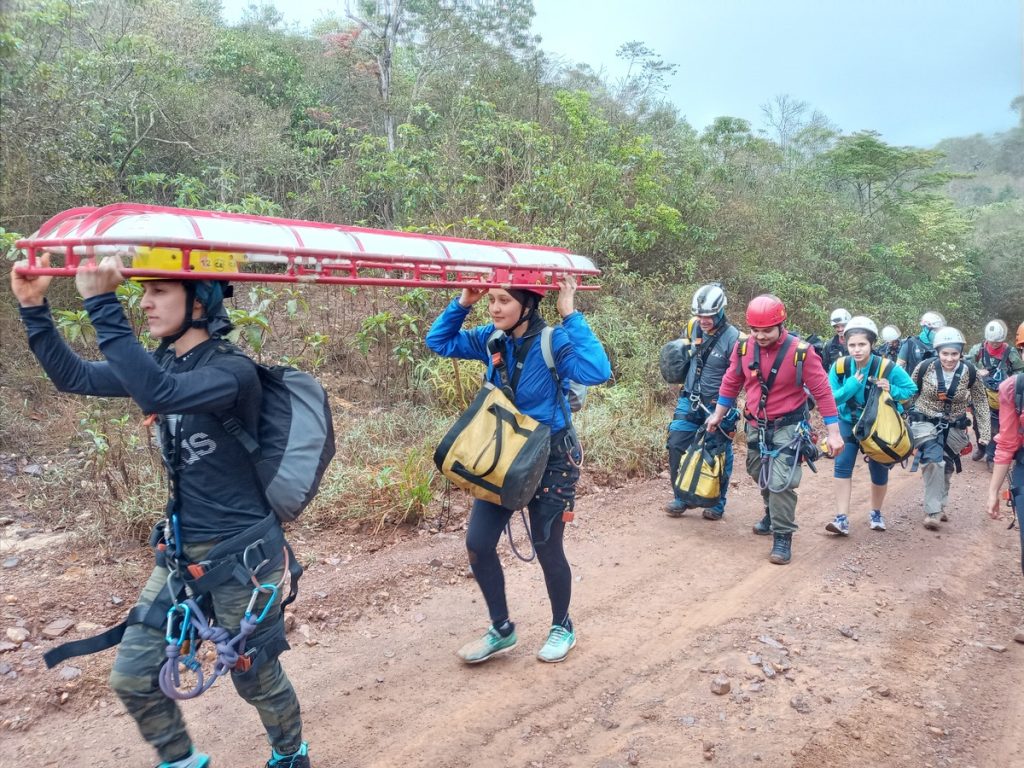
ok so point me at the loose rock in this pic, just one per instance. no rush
(69, 673)
(57, 627)
(720, 685)
(800, 704)
(17, 635)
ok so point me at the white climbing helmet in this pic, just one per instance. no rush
(862, 324)
(708, 301)
(932, 320)
(839, 317)
(948, 337)
(890, 333)
(995, 331)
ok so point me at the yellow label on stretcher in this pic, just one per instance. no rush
(171, 259)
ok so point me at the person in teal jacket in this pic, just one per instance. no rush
(860, 371)
(579, 356)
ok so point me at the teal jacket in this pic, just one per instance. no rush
(850, 392)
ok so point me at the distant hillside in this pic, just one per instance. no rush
(995, 163)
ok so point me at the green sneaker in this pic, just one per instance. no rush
(193, 760)
(560, 642)
(491, 644)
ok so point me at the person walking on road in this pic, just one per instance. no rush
(773, 366)
(711, 341)
(851, 379)
(947, 386)
(995, 360)
(579, 356)
(219, 504)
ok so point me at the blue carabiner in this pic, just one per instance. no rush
(272, 589)
(185, 623)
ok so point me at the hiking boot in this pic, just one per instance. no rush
(931, 522)
(713, 514)
(782, 548)
(877, 521)
(491, 644)
(560, 642)
(194, 760)
(763, 527)
(978, 453)
(675, 508)
(944, 515)
(840, 525)
(298, 759)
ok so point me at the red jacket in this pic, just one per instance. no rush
(1009, 439)
(785, 396)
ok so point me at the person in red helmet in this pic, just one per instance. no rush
(774, 370)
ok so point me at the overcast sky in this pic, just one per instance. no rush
(917, 71)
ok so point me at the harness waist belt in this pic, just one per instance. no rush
(786, 420)
(228, 559)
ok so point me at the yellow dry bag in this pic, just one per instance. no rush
(699, 478)
(495, 452)
(881, 429)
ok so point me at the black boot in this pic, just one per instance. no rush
(764, 526)
(782, 548)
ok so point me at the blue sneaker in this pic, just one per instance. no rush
(840, 525)
(560, 642)
(194, 760)
(297, 759)
(877, 521)
(491, 644)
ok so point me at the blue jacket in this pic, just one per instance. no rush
(850, 393)
(578, 356)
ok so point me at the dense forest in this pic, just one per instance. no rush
(450, 117)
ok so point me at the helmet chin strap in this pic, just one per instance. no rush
(524, 317)
(188, 322)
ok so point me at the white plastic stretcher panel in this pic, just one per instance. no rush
(239, 247)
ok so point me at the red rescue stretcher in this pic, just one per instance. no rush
(194, 244)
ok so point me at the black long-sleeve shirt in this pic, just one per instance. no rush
(218, 490)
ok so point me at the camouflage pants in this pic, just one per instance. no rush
(785, 477)
(266, 686)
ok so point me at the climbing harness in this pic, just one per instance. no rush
(188, 627)
(802, 445)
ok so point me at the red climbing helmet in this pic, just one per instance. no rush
(765, 311)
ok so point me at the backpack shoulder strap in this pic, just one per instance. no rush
(972, 374)
(843, 367)
(799, 355)
(884, 367)
(547, 349)
(741, 351)
(921, 371)
(1018, 393)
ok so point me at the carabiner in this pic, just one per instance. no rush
(245, 558)
(263, 588)
(185, 624)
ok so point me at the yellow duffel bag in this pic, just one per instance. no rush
(700, 473)
(495, 452)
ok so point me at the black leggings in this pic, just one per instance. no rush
(487, 521)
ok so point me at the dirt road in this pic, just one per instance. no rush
(880, 649)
